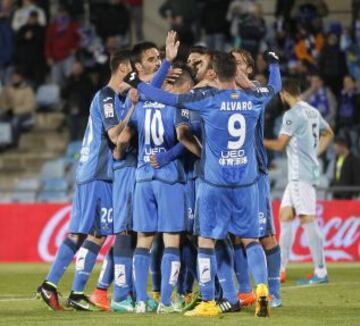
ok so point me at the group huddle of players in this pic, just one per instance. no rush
(173, 164)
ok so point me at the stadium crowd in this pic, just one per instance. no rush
(60, 58)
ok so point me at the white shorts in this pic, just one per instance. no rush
(301, 196)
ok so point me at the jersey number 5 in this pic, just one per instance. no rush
(236, 128)
(154, 128)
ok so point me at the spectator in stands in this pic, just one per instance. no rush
(61, 44)
(321, 97)
(136, 10)
(113, 19)
(6, 39)
(77, 94)
(346, 168)
(29, 46)
(213, 21)
(283, 9)
(310, 13)
(180, 15)
(75, 7)
(233, 16)
(21, 15)
(252, 29)
(349, 104)
(332, 64)
(17, 103)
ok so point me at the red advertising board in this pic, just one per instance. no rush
(33, 232)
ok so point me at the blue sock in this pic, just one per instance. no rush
(207, 271)
(225, 267)
(257, 262)
(188, 266)
(180, 284)
(273, 259)
(155, 268)
(85, 263)
(242, 269)
(141, 264)
(170, 269)
(123, 254)
(63, 259)
(107, 271)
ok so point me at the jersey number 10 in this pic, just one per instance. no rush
(154, 128)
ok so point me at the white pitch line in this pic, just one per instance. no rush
(16, 299)
(299, 287)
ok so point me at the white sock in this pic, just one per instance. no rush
(316, 246)
(286, 242)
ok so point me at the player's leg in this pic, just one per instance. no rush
(157, 251)
(305, 205)
(287, 215)
(225, 268)
(273, 259)
(97, 222)
(65, 254)
(246, 295)
(171, 210)
(100, 295)
(145, 224)
(48, 289)
(125, 242)
(214, 209)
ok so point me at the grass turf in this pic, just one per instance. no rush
(335, 303)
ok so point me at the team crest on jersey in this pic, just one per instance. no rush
(234, 96)
(109, 110)
(185, 113)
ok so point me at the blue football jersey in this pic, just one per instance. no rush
(230, 118)
(122, 107)
(155, 124)
(96, 152)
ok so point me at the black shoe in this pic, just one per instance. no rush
(50, 296)
(80, 301)
(226, 306)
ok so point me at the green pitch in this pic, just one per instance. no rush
(337, 303)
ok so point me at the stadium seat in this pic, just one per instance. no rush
(73, 152)
(23, 196)
(53, 169)
(28, 184)
(48, 97)
(53, 196)
(55, 184)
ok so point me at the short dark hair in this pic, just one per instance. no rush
(186, 74)
(118, 57)
(224, 66)
(291, 86)
(139, 49)
(198, 49)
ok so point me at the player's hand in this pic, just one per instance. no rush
(134, 96)
(116, 154)
(173, 75)
(271, 57)
(132, 79)
(153, 162)
(172, 46)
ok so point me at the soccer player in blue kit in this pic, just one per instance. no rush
(228, 194)
(92, 213)
(246, 68)
(159, 204)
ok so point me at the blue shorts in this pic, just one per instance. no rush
(266, 219)
(92, 211)
(123, 198)
(159, 207)
(222, 210)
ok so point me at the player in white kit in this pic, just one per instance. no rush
(305, 135)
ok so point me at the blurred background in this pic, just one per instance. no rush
(54, 55)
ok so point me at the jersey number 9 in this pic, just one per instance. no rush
(236, 128)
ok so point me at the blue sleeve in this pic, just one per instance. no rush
(106, 104)
(161, 74)
(194, 100)
(172, 154)
(275, 78)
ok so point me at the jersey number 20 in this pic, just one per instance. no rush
(154, 128)
(236, 128)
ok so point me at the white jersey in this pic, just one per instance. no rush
(303, 123)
